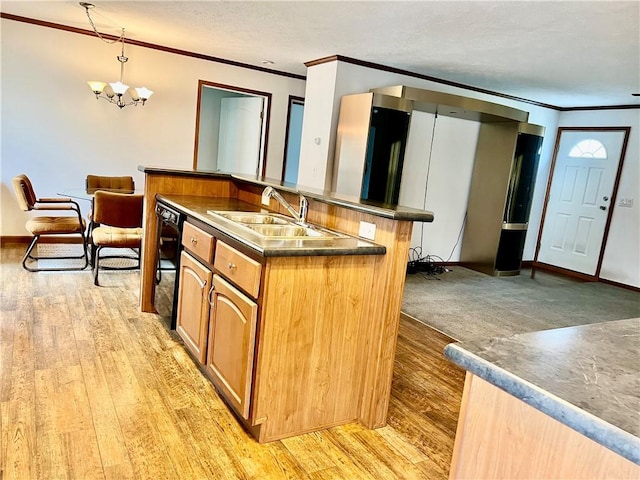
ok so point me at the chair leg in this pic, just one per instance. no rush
(29, 256)
(96, 264)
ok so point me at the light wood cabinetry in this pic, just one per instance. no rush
(327, 326)
(237, 267)
(215, 319)
(499, 436)
(198, 242)
(285, 336)
(193, 305)
(232, 335)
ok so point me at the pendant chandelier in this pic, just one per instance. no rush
(114, 92)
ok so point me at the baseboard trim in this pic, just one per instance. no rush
(26, 239)
(561, 271)
(621, 285)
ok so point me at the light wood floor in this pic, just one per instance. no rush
(92, 388)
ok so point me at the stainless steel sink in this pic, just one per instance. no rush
(255, 218)
(294, 231)
(276, 226)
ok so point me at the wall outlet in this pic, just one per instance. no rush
(265, 200)
(625, 202)
(367, 230)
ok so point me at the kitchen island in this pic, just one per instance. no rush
(320, 317)
(560, 403)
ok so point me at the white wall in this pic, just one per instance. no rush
(318, 126)
(55, 131)
(621, 262)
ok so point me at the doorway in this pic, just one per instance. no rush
(231, 129)
(582, 188)
(293, 140)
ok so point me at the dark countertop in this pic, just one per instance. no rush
(586, 377)
(394, 212)
(198, 207)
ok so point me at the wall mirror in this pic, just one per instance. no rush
(231, 129)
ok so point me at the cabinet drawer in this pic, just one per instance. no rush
(237, 267)
(198, 241)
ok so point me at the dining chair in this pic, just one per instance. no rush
(119, 220)
(124, 184)
(51, 226)
(120, 184)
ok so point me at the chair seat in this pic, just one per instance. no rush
(117, 237)
(54, 225)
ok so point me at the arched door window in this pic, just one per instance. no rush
(589, 148)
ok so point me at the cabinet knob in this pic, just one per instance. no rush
(231, 266)
(194, 240)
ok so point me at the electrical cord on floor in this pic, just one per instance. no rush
(429, 265)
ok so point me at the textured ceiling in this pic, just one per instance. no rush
(563, 53)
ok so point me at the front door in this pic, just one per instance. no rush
(583, 183)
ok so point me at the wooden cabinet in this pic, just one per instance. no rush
(231, 346)
(193, 305)
(215, 319)
(197, 241)
(238, 268)
(283, 339)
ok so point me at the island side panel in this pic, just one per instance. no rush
(500, 436)
(385, 300)
(168, 183)
(312, 339)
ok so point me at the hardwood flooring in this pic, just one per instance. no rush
(90, 387)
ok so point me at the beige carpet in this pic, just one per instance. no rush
(468, 305)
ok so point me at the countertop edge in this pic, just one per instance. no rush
(398, 213)
(598, 430)
(280, 251)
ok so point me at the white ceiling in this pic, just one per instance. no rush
(562, 53)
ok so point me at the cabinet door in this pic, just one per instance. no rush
(232, 338)
(192, 319)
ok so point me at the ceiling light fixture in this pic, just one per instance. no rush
(114, 92)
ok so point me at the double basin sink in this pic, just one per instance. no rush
(276, 226)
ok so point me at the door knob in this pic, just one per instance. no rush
(602, 207)
(605, 198)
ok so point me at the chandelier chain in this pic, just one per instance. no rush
(98, 33)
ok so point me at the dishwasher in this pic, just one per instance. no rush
(170, 223)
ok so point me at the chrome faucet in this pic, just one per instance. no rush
(301, 215)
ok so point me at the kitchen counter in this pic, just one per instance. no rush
(198, 207)
(383, 210)
(358, 295)
(585, 377)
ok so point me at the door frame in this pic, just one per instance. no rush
(265, 134)
(614, 194)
